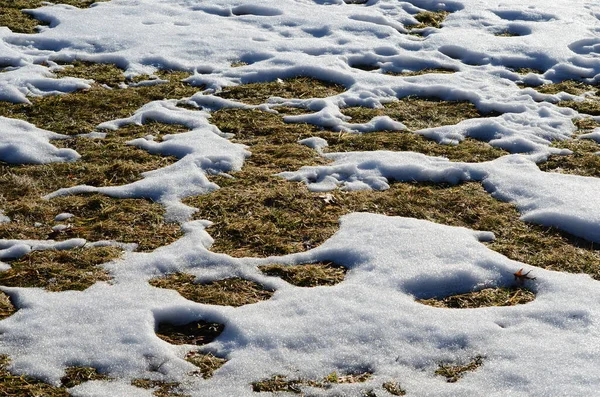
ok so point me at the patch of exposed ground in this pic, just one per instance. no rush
(394, 388)
(591, 104)
(194, 333)
(453, 372)
(12, 16)
(227, 292)
(584, 161)
(280, 383)
(18, 386)
(53, 270)
(258, 214)
(297, 87)
(418, 113)
(428, 19)
(207, 363)
(77, 375)
(421, 72)
(307, 275)
(7, 309)
(487, 297)
(161, 388)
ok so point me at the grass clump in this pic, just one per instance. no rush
(53, 270)
(308, 275)
(280, 383)
(77, 375)
(207, 363)
(418, 113)
(487, 297)
(453, 373)
(194, 333)
(7, 309)
(297, 87)
(427, 19)
(591, 104)
(21, 385)
(228, 292)
(162, 389)
(422, 72)
(394, 388)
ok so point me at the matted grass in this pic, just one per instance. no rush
(394, 388)
(12, 17)
(228, 292)
(7, 309)
(418, 113)
(25, 386)
(161, 388)
(207, 363)
(502, 296)
(280, 383)
(453, 372)
(59, 270)
(427, 19)
(591, 105)
(307, 275)
(422, 72)
(77, 375)
(584, 161)
(194, 333)
(297, 87)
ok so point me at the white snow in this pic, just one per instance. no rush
(370, 321)
(21, 142)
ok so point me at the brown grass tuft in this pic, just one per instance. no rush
(21, 386)
(453, 373)
(280, 383)
(162, 389)
(77, 375)
(207, 363)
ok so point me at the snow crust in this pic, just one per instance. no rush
(370, 321)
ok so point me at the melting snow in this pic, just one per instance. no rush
(370, 321)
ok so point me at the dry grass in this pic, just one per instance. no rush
(162, 389)
(297, 87)
(453, 373)
(483, 298)
(228, 292)
(207, 363)
(77, 375)
(194, 333)
(394, 388)
(280, 383)
(59, 270)
(428, 19)
(422, 72)
(24, 386)
(308, 275)
(7, 309)
(418, 113)
(12, 17)
(584, 160)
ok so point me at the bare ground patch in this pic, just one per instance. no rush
(227, 292)
(207, 363)
(307, 275)
(161, 388)
(502, 296)
(194, 333)
(54, 270)
(21, 385)
(7, 309)
(280, 383)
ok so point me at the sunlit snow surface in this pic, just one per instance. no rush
(370, 321)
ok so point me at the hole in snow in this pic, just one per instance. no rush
(161, 388)
(194, 333)
(502, 296)
(228, 292)
(307, 275)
